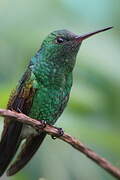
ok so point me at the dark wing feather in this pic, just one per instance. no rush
(28, 150)
(21, 100)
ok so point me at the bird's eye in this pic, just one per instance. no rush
(59, 40)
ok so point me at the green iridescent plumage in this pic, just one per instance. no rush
(42, 93)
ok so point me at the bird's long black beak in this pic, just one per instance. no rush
(85, 36)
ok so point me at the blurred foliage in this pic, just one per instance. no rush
(93, 112)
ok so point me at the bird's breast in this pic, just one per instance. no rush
(49, 103)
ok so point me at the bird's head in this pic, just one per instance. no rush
(61, 47)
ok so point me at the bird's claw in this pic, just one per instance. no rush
(42, 126)
(60, 133)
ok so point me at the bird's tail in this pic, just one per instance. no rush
(28, 150)
(9, 144)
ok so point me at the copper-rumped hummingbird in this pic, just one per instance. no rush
(42, 93)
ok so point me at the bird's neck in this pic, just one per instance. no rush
(51, 75)
(62, 62)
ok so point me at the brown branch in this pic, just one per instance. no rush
(51, 130)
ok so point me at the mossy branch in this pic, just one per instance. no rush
(75, 143)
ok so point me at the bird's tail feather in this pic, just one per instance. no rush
(9, 145)
(28, 150)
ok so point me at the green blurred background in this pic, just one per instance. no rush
(93, 112)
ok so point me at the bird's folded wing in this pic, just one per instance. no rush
(20, 101)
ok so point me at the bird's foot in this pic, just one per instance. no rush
(60, 133)
(42, 126)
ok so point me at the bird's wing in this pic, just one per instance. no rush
(21, 98)
(27, 151)
(20, 101)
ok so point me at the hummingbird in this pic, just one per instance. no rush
(42, 93)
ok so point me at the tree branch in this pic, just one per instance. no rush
(51, 130)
